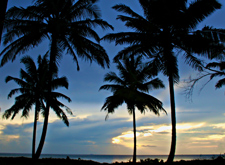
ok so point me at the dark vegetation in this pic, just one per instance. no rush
(51, 161)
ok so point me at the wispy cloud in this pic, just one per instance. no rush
(88, 134)
(192, 135)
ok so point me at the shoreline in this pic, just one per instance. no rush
(62, 161)
(106, 158)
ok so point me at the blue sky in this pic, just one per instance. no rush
(200, 122)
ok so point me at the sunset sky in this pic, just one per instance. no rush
(200, 121)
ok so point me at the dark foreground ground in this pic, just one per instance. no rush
(51, 161)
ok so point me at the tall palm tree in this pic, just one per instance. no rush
(132, 87)
(166, 29)
(3, 7)
(68, 24)
(33, 88)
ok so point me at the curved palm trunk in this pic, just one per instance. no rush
(3, 7)
(173, 119)
(171, 70)
(135, 138)
(34, 130)
(51, 65)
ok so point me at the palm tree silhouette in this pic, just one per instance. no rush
(165, 31)
(68, 25)
(33, 88)
(132, 87)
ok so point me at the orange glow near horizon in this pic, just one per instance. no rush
(144, 132)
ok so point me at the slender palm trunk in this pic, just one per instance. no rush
(135, 138)
(3, 7)
(173, 118)
(171, 70)
(34, 130)
(51, 65)
(43, 135)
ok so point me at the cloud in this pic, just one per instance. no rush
(16, 138)
(151, 134)
(91, 134)
(147, 146)
(85, 135)
(125, 136)
(218, 125)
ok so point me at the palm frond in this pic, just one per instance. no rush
(127, 10)
(59, 112)
(154, 84)
(16, 80)
(14, 91)
(111, 103)
(60, 82)
(71, 51)
(199, 10)
(111, 87)
(60, 95)
(112, 77)
(88, 50)
(220, 65)
(220, 83)
(193, 61)
(85, 8)
(20, 46)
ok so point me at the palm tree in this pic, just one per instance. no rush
(166, 30)
(33, 88)
(3, 7)
(68, 24)
(132, 87)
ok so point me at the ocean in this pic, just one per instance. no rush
(112, 158)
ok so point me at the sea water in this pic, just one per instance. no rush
(112, 158)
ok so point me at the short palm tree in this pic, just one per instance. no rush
(33, 88)
(132, 87)
(69, 27)
(166, 30)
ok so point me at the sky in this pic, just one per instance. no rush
(200, 121)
